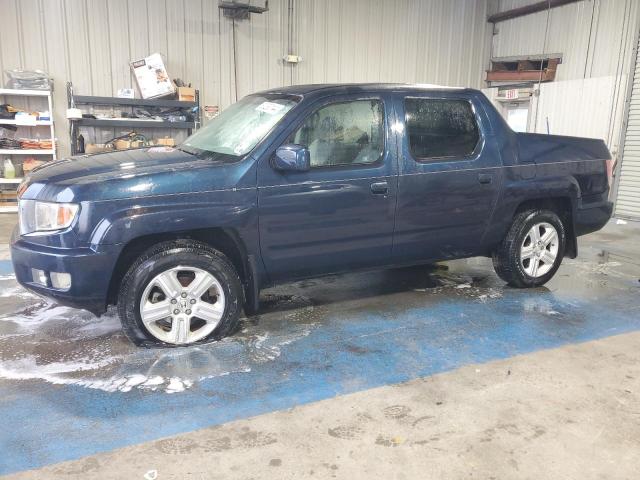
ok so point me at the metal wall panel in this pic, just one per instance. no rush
(443, 42)
(589, 102)
(628, 192)
(596, 39)
(594, 36)
(91, 42)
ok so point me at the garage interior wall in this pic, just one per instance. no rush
(91, 42)
(627, 187)
(596, 39)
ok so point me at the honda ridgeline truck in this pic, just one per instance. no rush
(300, 182)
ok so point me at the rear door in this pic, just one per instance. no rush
(450, 177)
(339, 215)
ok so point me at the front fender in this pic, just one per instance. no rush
(177, 213)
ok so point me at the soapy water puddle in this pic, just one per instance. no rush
(40, 340)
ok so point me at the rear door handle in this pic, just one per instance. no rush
(485, 178)
(380, 188)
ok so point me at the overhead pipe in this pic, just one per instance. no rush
(528, 10)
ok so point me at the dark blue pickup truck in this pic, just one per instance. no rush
(299, 182)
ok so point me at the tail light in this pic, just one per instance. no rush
(610, 163)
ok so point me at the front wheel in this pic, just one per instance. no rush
(532, 251)
(179, 293)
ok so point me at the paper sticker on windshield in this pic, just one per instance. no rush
(161, 149)
(269, 107)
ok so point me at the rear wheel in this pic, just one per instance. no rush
(179, 293)
(532, 251)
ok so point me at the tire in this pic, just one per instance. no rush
(174, 266)
(508, 260)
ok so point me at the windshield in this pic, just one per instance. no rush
(239, 127)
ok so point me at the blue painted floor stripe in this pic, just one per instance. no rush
(5, 267)
(350, 351)
(60, 423)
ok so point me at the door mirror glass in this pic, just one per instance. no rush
(292, 158)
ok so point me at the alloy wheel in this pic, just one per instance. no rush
(182, 305)
(539, 249)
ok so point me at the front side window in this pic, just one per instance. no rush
(440, 128)
(346, 133)
(239, 127)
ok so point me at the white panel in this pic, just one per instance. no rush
(579, 108)
(99, 52)
(176, 48)
(408, 41)
(211, 60)
(628, 198)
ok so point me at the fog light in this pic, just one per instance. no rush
(39, 276)
(61, 281)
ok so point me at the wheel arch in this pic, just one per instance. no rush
(564, 207)
(226, 240)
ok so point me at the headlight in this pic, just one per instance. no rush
(45, 216)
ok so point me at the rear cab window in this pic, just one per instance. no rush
(440, 129)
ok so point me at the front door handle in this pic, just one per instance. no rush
(485, 178)
(380, 188)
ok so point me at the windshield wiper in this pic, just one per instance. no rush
(190, 151)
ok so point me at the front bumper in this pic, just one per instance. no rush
(90, 272)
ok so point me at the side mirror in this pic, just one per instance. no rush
(292, 158)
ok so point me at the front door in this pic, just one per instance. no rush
(450, 177)
(338, 215)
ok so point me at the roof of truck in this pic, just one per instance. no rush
(337, 88)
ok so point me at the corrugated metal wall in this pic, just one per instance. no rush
(628, 188)
(588, 98)
(580, 107)
(595, 38)
(590, 34)
(91, 42)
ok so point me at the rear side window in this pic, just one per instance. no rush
(346, 133)
(440, 128)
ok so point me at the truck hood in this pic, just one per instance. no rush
(129, 174)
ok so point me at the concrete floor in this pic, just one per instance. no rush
(440, 372)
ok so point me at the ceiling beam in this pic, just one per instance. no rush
(527, 10)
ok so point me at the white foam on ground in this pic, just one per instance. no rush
(63, 346)
(16, 291)
(56, 373)
(37, 316)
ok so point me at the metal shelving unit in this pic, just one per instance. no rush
(6, 207)
(24, 151)
(74, 101)
(117, 123)
(17, 123)
(13, 182)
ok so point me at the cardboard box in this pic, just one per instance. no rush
(8, 195)
(96, 148)
(127, 144)
(152, 77)
(30, 163)
(166, 141)
(186, 94)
